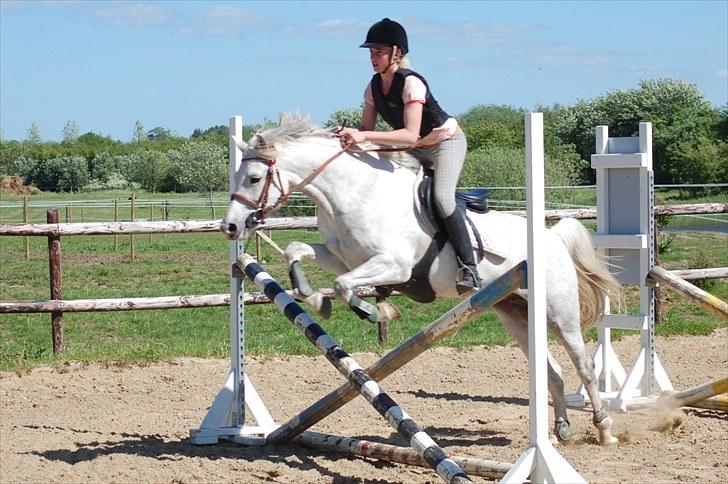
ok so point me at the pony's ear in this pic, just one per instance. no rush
(260, 142)
(242, 145)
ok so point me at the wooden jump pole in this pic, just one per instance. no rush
(139, 303)
(703, 298)
(393, 453)
(444, 326)
(712, 394)
(701, 392)
(436, 458)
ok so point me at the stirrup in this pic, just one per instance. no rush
(468, 282)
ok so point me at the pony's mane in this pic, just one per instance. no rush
(295, 127)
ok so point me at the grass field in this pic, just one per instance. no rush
(187, 264)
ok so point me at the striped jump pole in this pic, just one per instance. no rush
(445, 466)
(433, 333)
(392, 453)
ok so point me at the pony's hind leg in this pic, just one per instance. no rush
(572, 340)
(513, 313)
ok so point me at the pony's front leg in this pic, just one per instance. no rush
(380, 270)
(297, 251)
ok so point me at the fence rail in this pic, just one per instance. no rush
(56, 305)
(284, 223)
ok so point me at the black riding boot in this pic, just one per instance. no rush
(457, 232)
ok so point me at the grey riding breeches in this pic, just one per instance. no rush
(447, 160)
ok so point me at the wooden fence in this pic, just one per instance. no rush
(54, 230)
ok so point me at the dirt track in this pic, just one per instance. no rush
(97, 424)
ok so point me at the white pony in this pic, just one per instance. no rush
(375, 232)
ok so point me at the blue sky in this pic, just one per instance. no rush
(184, 65)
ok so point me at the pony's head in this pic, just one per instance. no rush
(259, 189)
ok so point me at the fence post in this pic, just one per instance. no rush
(54, 263)
(26, 242)
(133, 218)
(116, 219)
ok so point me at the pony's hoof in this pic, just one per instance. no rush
(320, 304)
(604, 426)
(562, 430)
(388, 311)
(608, 440)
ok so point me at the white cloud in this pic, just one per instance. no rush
(134, 14)
(339, 26)
(12, 5)
(65, 3)
(223, 20)
(471, 32)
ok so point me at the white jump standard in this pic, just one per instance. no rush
(445, 467)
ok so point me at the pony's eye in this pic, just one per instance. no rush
(254, 180)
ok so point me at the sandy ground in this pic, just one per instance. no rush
(89, 423)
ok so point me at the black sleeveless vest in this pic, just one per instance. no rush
(391, 107)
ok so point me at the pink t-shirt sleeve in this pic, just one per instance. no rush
(368, 96)
(414, 90)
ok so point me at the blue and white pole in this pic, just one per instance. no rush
(435, 456)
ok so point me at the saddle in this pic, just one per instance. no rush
(418, 287)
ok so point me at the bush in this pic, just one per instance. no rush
(680, 115)
(62, 174)
(152, 170)
(505, 167)
(102, 167)
(199, 167)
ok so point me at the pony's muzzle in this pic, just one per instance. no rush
(254, 219)
(230, 230)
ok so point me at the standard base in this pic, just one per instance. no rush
(541, 463)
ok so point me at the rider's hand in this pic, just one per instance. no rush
(349, 136)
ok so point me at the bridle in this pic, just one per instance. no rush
(260, 207)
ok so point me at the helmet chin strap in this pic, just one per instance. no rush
(394, 54)
(392, 62)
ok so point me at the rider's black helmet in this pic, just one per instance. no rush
(387, 32)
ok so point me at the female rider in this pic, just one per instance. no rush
(403, 98)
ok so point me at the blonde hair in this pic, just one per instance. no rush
(404, 62)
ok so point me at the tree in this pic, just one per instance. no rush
(70, 132)
(65, 173)
(218, 135)
(90, 144)
(680, 115)
(33, 134)
(152, 170)
(351, 117)
(158, 134)
(199, 166)
(139, 135)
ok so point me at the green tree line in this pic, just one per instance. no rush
(690, 145)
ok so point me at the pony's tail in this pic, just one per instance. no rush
(592, 271)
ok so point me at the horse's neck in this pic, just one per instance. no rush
(340, 181)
